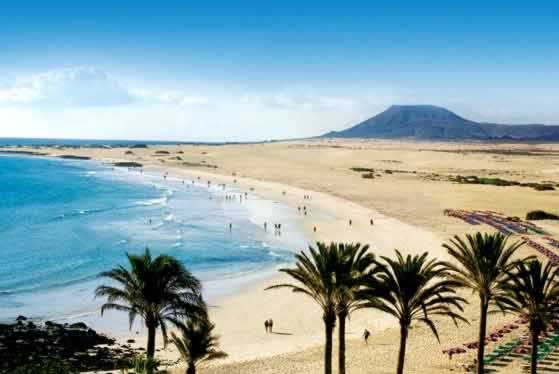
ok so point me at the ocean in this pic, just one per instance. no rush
(64, 221)
(8, 142)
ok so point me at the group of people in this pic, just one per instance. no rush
(277, 228)
(304, 209)
(269, 326)
(230, 197)
(370, 221)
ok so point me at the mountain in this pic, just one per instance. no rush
(430, 122)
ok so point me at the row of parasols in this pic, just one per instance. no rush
(505, 225)
(551, 255)
(492, 337)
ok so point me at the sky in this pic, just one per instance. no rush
(256, 70)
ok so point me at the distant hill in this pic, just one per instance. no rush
(430, 122)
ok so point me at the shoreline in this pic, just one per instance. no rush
(227, 309)
(408, 215)
(215, 283)
(332, 213)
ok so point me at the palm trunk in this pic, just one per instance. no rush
(481, 339)
(191, 368)
(328, 329)
(535, 342)
(402, 352)
(151, 341)
(341, 337)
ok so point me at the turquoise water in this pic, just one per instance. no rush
(62, 222)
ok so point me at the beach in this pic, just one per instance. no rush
(405, 199)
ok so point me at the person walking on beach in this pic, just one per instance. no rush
(266, 325)
(350, 222)
(271, 325)
(366, 335)
(265, 226)
(372, 223)
(230, 227)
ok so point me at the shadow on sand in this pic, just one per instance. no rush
(282, 333)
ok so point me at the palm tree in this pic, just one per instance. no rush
(533, 292)
(197, 343)
(413, 289)
(483, 263)
(158, 290)
(314, 274)
(354, 267)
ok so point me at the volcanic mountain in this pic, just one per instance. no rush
(430, 122)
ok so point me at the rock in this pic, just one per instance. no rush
(131, 341)
(75, 344)
(21, 318)
(78, 325)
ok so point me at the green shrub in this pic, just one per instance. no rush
(141, 364)
(362, 170)
(51, 366)
(543, 187)
(540, 214)
(497, 182)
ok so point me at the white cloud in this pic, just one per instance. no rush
(18, 95)
(81, 86)
(308, 102)
(175, 97)
(86, 87)
(86, 102)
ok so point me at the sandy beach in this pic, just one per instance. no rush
(405, 199)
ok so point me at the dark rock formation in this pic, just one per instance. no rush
(25, 343)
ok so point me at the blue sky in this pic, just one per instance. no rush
(247, 70)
